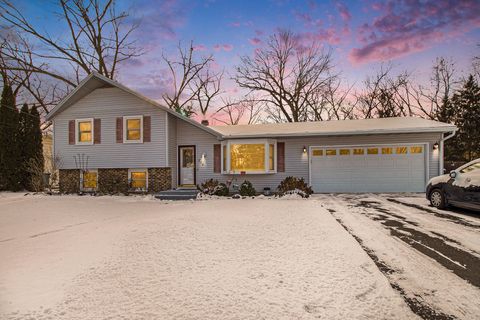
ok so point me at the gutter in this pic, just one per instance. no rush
(440, 167)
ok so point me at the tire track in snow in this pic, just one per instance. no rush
(416, 305)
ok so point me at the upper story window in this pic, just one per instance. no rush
(133, 132)
(84, 131)
(249, 156)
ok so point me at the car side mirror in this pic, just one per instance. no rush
(453, 174)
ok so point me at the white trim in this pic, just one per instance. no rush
(426, 152)
(125, 129)
(138, 170)
(77, 142)
(167, 141)
(81, 180)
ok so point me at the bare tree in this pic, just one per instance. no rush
(234, 111)
(384, 95)
(194, 83)
(429, 100)
(286, 76)
(97, 38)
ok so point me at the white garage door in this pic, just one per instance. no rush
(382, 168)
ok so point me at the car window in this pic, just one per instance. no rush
(475, 166)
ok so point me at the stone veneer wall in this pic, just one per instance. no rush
(159, 179)
(115, 180)
(69, 180)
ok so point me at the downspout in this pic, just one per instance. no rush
(441, 150)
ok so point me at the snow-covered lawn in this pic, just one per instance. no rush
(71, 257)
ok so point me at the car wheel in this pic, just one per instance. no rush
(437, 199)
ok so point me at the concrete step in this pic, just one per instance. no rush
(178, 194)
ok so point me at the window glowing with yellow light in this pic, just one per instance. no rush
(133, 129)
(358, 151)
(372, 151)
(331, 152)
(344, 152)
(247, 157)
(85, 131)
(401, 150)
(416, 149)
(90, 180)
(138, 180)
(317, 153)
(387, 150)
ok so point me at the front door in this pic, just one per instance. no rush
(187, 165)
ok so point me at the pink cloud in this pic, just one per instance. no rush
(255, 41)
(344, 12)
(408, 26)
(235, 24)
(199, 47)
(224, 47)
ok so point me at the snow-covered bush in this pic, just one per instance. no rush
(213, 187)
(294, 184)
(221, 190)
(247, 189)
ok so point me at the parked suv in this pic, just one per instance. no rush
(459, 188)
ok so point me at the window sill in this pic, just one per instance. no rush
(248, 173)
(84, 143)
(132, 141)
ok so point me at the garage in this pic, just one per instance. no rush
(368, 168)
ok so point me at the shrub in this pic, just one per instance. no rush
(247, 189)
(213, 187)
(293, 183)
(209, 186)
(221, 190)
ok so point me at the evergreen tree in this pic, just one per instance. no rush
(36, 146)
(9, 151)
(466, 107)
(24, 133)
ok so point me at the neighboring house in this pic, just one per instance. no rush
(105, 132)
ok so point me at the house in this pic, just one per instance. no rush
(107, 135)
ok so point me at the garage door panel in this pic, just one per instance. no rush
(390, 171)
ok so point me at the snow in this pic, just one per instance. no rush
(417, 274)
(72, 257)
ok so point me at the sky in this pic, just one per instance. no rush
(363, 34)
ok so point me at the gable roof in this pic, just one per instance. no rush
(95, 81)
(335, 127)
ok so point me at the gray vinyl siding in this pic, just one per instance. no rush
(172, 148)
(107, 104)
(296, 163)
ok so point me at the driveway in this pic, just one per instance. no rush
(70, 257)
(431, 257)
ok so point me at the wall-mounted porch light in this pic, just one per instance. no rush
(435, 146)
(203, 160)
(304, 149)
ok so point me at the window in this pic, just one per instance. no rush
(470, 168)
(317, 152)
(249, 156)
(133, 129)
(84, 131)
(401, 150)
(358, 151)
(138, 179)
(344, 152)
(387, 150)
(331, 152)
(89, 180)
(416, 149)
(271, 157)
(372, 150)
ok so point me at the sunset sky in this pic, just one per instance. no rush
(362, 34)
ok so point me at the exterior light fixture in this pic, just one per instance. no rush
(203, 160)
(435, 146)
(304, 149)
